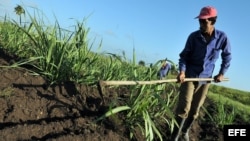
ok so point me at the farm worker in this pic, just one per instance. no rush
(197, 60)
(165, 68)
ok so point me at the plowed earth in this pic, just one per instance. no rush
(32, 111)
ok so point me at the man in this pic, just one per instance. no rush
(165, 68)
(197, 60)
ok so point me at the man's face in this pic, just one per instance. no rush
(206, 25)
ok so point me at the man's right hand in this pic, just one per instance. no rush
(180, 77)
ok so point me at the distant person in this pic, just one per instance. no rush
(197, 60)
(164, 70)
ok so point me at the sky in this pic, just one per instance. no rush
(155, 29)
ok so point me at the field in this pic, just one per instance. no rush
(50, 90)
(30, 111)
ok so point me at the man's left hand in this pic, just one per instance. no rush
(218, 78)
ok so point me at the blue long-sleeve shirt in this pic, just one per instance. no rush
(163, 72)
(198, 57)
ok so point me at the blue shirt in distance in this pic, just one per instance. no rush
(165, 68)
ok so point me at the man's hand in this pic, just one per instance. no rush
(218, 78)
(180, 77)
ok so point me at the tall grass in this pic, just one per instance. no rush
(60, 55)
(57, 54)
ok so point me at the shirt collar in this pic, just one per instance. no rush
(215, 34)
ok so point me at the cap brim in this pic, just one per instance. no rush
(203, 17)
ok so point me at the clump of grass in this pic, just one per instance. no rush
(148, 108)
(223, 110)
(6, 92)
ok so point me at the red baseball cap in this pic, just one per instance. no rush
(207, 12)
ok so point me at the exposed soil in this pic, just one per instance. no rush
(32, 111)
